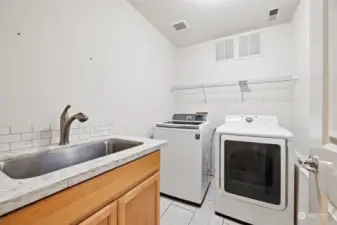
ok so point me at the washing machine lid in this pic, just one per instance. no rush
(255, 126)
(193, 125)
(185, 121)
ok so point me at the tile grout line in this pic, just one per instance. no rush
(184, 208)
(192, 217)
(166, 209)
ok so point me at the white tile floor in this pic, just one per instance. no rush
(173, 212)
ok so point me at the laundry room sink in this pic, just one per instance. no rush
(50, 161)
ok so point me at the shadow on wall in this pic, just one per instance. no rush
(265, 99)
(232, 94)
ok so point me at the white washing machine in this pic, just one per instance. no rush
(185, 171)
(254, 167)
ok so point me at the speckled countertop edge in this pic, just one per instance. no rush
(15, 194)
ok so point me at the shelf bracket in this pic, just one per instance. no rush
(244, 88)
(241, 83)
(203, 91)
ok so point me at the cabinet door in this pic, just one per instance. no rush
(105, 216)
(140, 206)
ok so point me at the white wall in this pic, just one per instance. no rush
(316, 73)
(196, 64)
(307, 105)
(300, 112)
(332, 62)
(48, 65)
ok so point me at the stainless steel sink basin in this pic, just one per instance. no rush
(46, 162)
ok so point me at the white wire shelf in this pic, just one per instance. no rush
(235, 83)
(243, 84)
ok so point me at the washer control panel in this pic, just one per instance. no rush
(190, 117)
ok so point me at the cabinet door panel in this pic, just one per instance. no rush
(105, 216)
(141, 205)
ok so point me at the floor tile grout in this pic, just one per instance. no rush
(192, 217)
(183, 208)
(167, 209)
(191, 213)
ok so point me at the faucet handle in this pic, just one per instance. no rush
(65, 112)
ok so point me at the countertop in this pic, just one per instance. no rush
(17, 193)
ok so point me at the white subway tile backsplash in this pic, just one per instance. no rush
(103, 128)
(111, 121)
(104, 122)
(41, 142)
(73, 138)
(55, 133)
(77, 131)
(4, 130)
(99, 134)
(75, 124)
(85, 124)
(20, 145)
(95, 123)
(41, 127)
(10, 138)
(4, 147)
(31, 136)
(47, 134)
(54, 140)
(83, 136)
(88, 129)
(27, 136)
(114, 132)
(21, 129)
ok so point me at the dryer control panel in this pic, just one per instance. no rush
(252, 119)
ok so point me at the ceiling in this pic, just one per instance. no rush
(211, 19)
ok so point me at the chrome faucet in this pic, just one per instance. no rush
(65, 123)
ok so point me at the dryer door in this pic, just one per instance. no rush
(254, 170)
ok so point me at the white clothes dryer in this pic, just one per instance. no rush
(254, 174)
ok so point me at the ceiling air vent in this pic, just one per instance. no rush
(273, 14)
(180, 25)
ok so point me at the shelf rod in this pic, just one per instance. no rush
(235, 83)
(203, 90)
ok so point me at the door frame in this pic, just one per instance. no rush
(327, 152)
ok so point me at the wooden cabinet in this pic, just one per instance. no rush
(105, 216)
(141, 205)
(127, 195)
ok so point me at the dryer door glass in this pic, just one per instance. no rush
(253, 170)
